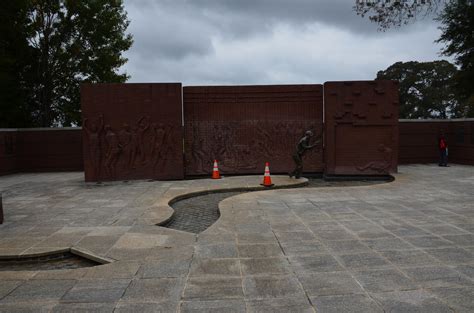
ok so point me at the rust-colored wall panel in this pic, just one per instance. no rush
(361, 133)
(8, 151)
(461, 142)
(362, 150)
(50, 150)
(245, 126)
(419, 141)
(132, 131)
(40, 150)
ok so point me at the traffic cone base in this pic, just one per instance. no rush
(267, 180)
(215, 171)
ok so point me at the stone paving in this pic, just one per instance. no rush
(405, 246)
(197, 213)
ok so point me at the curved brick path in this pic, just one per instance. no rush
(397, 247)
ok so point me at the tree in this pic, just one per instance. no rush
(458, 33)
(15, 65)
(396, 13)
(67, 42)
(426, 89)
(457, 18)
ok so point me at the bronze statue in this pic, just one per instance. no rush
(301, 148)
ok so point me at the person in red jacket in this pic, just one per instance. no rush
(443, 150)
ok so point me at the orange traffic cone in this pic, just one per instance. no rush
(267, 180)
(215, 171)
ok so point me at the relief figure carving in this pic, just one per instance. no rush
(143, 126)
(125, 139)
(197, 152)
(133, 147)
(381, 166)
(158, 140)
(93, 131)
(158, 144)
(166, 152)
(113, 150)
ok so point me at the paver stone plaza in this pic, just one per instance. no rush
(403, 246)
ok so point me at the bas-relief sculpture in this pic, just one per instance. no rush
(128, 144)
(371, 106)
(380, 166)
(244, 146)
(245, 126)
(132, 131)
(131, 147)
(93, 130)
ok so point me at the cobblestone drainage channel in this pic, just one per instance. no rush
(196, 213)
(56, 260)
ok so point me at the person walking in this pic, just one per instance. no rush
(443, 150)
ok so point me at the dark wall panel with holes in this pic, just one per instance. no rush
(361, 133)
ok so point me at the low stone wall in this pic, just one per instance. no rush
(8, 155)
(40, 150)
(418, 140)
(60, 149)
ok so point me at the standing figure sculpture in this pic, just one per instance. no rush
(93, 131)
(301, 148)
(143, 126)
(125, 138)
(112, 151)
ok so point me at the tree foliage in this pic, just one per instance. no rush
(426, 89)
(457, 19)
(395, 13)
(49, 48)
(16, 68)
(458, 33)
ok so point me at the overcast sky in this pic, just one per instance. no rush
(230, 42)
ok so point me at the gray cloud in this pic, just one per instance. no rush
(162, 31)
(265, 41)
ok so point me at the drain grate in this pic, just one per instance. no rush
(57, 261)
(197, 213)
